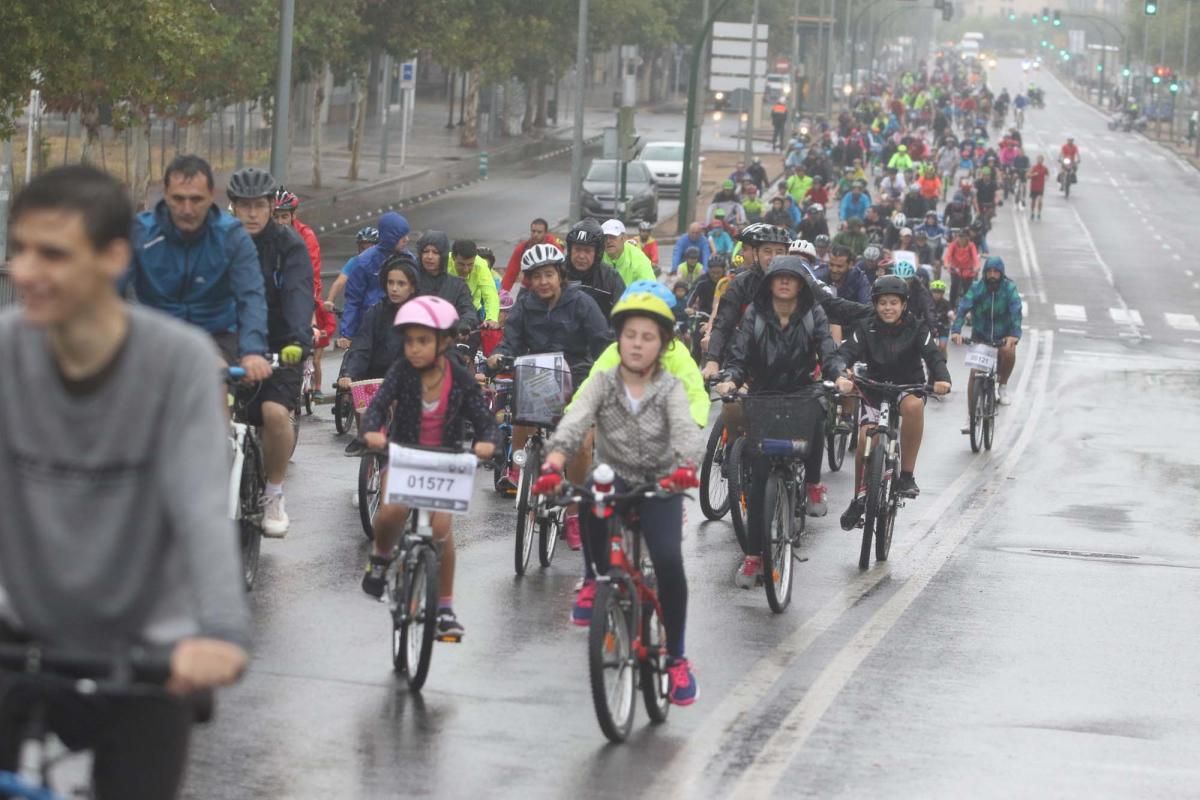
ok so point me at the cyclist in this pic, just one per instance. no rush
(490, 339)
(855, 204)
(646, 433)
(624, 256)
(995, 308)
(1020, 167)
(822, 244)
(694, 238)
(364, 240)
(1037, 187)
(962, 259)
(468, 263)
(814, 223)
(433, 395)
(539, 233)
(646, 241)
(691, 268)
(585, 265)
(943, 313)
(1020, 103)
(362, 288)
(845, 281)
(138, 496)
(286, 206)
(853, 237)
(287, 278)
(704, 288)
(780, 342)
(1070, 150)
(893, 345)
(198, 264)
(434, 278)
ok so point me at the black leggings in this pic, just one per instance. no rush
(139, 744)
(661, 525)
(760, 467)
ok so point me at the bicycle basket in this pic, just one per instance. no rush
(788, 417)
(362, 392)
(541, 389)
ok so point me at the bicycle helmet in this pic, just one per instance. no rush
(718, 260)
(429, 311)
(541, 255)
(647, 286)
(872, 253)
(285, 200)
(905, 270)
(760, 233)
(937, 286)
(506, 300)
(816, 208)
(250, 183)
(486, 254)
(889, 284)
(367, 235)
(586, 232)
(804, 248)
(822, 240)
(691, 252)
(645, 226)
(642, 304)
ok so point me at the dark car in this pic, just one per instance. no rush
(602, 182)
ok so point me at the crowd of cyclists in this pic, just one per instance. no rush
(768, 293)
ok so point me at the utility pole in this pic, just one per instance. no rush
(795, 95)
(581, 52)
(283, 93)
(829, 56)
(754, 102)
(385, 98)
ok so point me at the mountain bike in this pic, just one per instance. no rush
(981, 399)
(627, 642)
(372, 466)
(247, 474)
(841, 428)
(881, 465)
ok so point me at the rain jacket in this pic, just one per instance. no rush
(212, 280)
(601, 283)
(363, 289)
(686, 241)
(314, 254)
(632, 265)
(854, 208)
(482, 285)
(402, 386)
(574, 326)
(450, 288)
(287, 281)
(995, 313)
(894, 353)
(376, 347)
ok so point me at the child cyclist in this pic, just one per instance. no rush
(645, 432)
(433, 394)
(892, 343)
(943, 314)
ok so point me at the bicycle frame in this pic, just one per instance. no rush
(238, 431)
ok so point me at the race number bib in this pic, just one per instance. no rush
(981, 357)
(430, 480)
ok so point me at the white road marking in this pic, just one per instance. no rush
(1166, 246)
(1028, 254)
(1158, 237)
(1073, 330)
(1069, 313)
(1108, 273)
(1192, 341)
(1024, 309)
(1125, 316)
(1183, 322)
(1188, 272)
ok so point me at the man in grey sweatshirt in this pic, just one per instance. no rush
(113, 473)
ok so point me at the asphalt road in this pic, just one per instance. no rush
(1030, 636)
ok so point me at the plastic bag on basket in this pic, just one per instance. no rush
(541, 388)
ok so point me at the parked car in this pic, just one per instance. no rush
(599, 191)
(665, 160)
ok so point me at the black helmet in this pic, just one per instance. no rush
(822, 240)
(760, 233)
(250, 182)
(718, 260)
(889, 284)
(586, 232)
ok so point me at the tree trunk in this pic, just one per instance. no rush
(469, 137)
(360, 121)
(318, 102)
(90, 120)
(139, 184)
(194, 130)
(539, 119)
(527, 120)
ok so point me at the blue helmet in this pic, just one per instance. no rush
(653, 287)
(903, 269)
(994, 262)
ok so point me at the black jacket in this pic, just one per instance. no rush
(402, 386)
(812, 227)
(602, 283)
(452, 289)
(920, 303)
(771, 357)
(574, 327)
(375, 347)
(738, 296)
(702, 294)
(288, 281)
(893, 353)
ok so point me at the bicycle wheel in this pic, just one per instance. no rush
(611, 660)
(250, 495)
(308, 401)
(886, 522)
(413, 633)
(977, 414)
(370, 490)
(776, 543)
(343, 412)
(653, 668)
(836, 443)
(295, 432)
(714, 484)
(500, 459)
(548, 530)
(739, 490)
(989, 413)
(526, 516)
(875, 501)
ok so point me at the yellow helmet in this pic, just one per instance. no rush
(643, 303)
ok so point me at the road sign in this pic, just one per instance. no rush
(408, 75)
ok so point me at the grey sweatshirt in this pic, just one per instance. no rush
(113, 524)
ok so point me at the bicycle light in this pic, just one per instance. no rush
(519, 458)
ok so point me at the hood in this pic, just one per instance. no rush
(794, 265)
(437, 239)
(392, 228)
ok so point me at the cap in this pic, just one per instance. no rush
(613, 227)
(906, 232)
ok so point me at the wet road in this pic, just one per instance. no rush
(1030, 635)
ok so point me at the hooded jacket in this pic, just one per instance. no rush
(995, 312)
(450, 288)
(602, 283)
(287, 281)
(893, 353)
(402, 386)
(482, 286)
(212, 280)
(376, 347)
(363, 289)
(574, 327)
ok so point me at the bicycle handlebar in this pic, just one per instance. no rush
(891, 388)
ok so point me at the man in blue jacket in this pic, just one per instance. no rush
(695, 238)
(363, 290)
(855, 203)
(195, 262)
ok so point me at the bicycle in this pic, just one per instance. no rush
(981, 358)
(342, 409)
(1019, 117)
(626, 637)
(714, 471)
(40, 676)
(247, 475)
(498, 394)
(371, 465)
(841, 428)
(881, 463)
(306, 385)
(433, 479)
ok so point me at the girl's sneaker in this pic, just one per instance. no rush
(571, 532)
(683, 691)
(581, 612)
(750, 574)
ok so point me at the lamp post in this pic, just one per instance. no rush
(577, 143)
(283, 93)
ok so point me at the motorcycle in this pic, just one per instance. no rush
(1127, 122)
(1066, 176)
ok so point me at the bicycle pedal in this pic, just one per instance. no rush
(456, 639)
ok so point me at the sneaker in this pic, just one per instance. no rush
(571, 531)
(683, 690)
(449, 629)
(906, 486)
(275, 518)
(817, 507)
(750, 575)
(355, 448)
(1002, 396)
(853, 514)
(581, 612)
(375, 578)
(510, 480)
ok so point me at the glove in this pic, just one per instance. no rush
(291, 354)
(684, 477)
(548, 483)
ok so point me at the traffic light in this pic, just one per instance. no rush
(1156, 80)
(1057, 19)
(1045, 13)
(1174, 87)
(1036, 19)
(1126, 72)
(1099, 68)
(1012, 15)
(1045, 43)
(948, 11)
(1151, 8)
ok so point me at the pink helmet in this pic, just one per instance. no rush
(432, 312)
(506, 300)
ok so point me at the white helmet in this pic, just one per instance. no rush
(541, 255)
(803, 247)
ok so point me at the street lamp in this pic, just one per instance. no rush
(848, 89)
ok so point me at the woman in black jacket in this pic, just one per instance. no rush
(378, 344)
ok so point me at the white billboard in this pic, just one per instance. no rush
(738, 30)
(738, 66)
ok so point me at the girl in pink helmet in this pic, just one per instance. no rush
(432, 394)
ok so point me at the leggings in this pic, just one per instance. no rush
(760, 467)
(661, 526)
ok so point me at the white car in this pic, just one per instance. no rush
(665, 160)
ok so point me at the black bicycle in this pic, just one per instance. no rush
(841, 428)
(343, 410)
(981, 400)
(248, 476)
